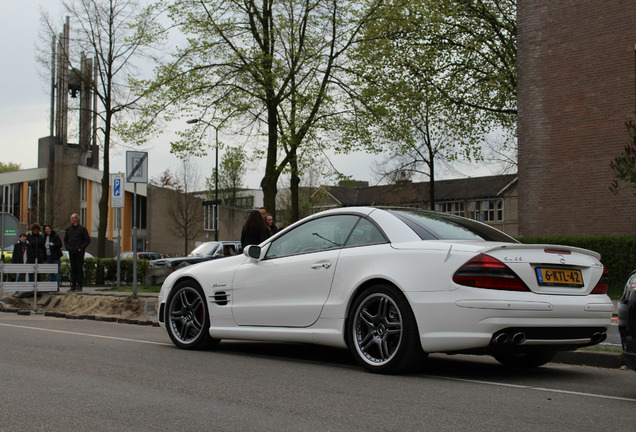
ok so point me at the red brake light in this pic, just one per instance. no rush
(484, 271)
(558, 251)
(602, 285)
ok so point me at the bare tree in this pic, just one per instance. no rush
(185, 211)
(114, 33)
(232, 169)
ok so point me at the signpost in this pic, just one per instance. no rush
(117, 202)
(136, 172)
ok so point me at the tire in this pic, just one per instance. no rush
(187, 317)
(525, 360)
(382, 332)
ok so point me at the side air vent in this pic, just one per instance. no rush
(220, 298)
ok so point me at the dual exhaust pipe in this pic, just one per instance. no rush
(519, 338)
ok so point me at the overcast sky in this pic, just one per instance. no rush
(25, 103)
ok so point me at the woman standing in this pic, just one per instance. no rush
(254, 230)
(53, 246)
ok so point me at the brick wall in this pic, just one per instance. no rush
(577, 88)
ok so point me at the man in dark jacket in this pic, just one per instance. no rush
(21, 255)
(76, 241)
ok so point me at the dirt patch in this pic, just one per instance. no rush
(127, 307)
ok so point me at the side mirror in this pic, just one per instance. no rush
(252, 251)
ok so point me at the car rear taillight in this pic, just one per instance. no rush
(603, 283)
(484, 271)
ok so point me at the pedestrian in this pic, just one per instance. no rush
(262, 211)
(269, 223)
(53, 246)
(21, 255)
(36, 243)
(254, 230)
(76, 240)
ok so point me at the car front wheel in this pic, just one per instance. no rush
(382, 332)
(187, 318)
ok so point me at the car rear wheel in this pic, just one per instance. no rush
(187, 317)
(525, 359)
(382, 332)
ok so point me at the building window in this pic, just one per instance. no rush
(474, 210)
(82, 216)
(140, 217)
(11, 199)
(208, 217)
(246, 202)
(83, 190)
(455, 207)
(486, 210)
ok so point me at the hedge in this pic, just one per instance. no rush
(618, 255)
(101, 271)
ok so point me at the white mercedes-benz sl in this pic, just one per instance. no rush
(392, 285)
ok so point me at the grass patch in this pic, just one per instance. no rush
(129, 288)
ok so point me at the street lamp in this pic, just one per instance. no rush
(216, 173)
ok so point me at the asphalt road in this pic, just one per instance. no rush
(58, 374)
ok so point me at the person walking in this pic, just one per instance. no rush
(76, 240)
(254, 230)
(53, 245)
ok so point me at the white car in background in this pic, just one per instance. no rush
(393, 285)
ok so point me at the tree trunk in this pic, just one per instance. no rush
(270, 179)
(103, 200)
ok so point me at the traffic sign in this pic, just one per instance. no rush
(117, 192)
(136, 167)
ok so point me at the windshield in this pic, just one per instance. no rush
(430, 225)
(204, 249)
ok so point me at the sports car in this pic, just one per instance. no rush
(393, 285)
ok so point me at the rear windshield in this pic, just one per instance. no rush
(431, 225)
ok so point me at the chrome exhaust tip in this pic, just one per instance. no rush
(518, 338)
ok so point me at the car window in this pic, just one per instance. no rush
(319, 234)
(433, 225)
(365, 233)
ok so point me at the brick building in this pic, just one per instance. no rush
(576, 91)
(491, 199)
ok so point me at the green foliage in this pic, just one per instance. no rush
(99, 271)
(276, 69)
(624, 165)
(9, 166)
(618, 254)
(434, 77)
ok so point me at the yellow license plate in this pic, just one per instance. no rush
(559, 277)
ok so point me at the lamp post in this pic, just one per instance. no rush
(216, 172)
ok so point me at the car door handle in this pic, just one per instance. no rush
(320, 265)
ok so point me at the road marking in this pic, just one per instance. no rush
(543, 389)
(86, 334)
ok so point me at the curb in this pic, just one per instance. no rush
(73, 316)
(600, 359)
